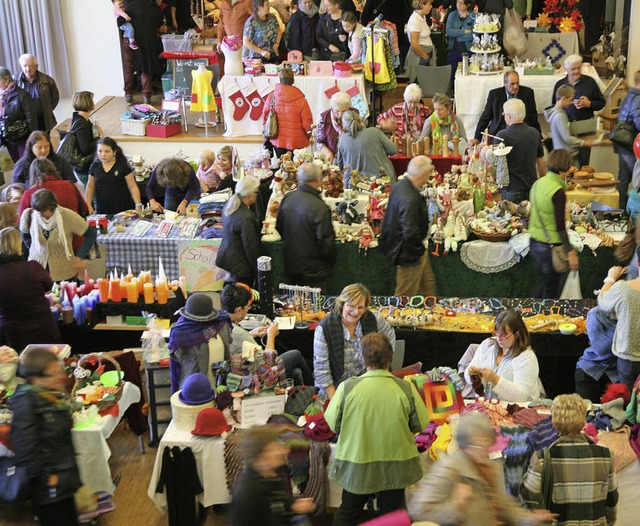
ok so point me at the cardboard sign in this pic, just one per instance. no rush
(256, 410)
(197, 262)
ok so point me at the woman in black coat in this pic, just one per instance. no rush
(18, 115)
(41, 437)
(330, 35)
(25, 316)
(39, 145)
(240, 246)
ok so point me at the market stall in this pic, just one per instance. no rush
(317, 91)
(555, 46)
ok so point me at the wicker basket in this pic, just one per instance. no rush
(492, 236)
(134, 126)
(100, 358)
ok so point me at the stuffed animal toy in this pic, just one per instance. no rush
(333, 184)
(348, 212)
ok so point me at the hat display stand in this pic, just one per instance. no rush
(185, 415)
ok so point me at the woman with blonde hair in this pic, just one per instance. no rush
(337, 350)
(8, 215)
(444, 122)
(240, 247)
(584, 487)
(25, 316)
(420, 43)
(364, 149)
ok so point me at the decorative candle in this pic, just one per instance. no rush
(162, 290)
(86, 279)
(445, 145)
(103, 289)
(115, 289)
(147, 290)
(132, 290)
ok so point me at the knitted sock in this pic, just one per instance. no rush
(255, 102)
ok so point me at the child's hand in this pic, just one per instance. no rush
(303, 506)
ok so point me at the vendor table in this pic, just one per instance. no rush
(472, 92)
(453, 277)
(558, 46)
(440, 163)
(313, 88)
(583, 195)
(92, 450)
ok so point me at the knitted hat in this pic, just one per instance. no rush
(211, 422)
(199, 307)
(318, 429)
(196, 390)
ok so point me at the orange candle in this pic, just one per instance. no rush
(103, 289)
(147, 289)
(115, 289)
(162, 290)
(132, 290)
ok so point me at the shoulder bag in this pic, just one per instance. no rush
(623, 134)
(13, 131)
(68, 149)
(270, 130)
(14, 481)
(559, 257)
(546, 485)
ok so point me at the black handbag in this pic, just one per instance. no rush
(623, 134)
(14, 481)
(68, 149)
(13, 131)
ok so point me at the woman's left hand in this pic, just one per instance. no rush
(487, 374)
(182, 208)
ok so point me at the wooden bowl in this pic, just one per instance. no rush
(603, 176)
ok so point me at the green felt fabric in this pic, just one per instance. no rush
(454, 278)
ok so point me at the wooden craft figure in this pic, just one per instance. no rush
(437, 235)
(456, 145)
(366, 238)
(450, 242)
(427, 145)
(436, 146)
(445, 145)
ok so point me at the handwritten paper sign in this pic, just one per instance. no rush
(197, 262)
(256, 410)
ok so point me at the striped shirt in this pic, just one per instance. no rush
(585, 490)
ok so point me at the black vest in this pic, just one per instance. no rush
(333, 335)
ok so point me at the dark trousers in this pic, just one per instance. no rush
(128, 70)
(550, 279)
(297, 368)
(626, 161)
(453, 58)
(62, 513)
(514, 197)
(588, 387)
(628, 372)
(350, 509)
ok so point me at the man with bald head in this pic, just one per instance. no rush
(405, 226)
(304, 222)
(492, 116)
(41, 87)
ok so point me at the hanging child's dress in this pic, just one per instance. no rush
(202, 98)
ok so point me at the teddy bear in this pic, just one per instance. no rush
(348, 212)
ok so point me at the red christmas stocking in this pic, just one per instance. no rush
(255, 102)
(242, 107)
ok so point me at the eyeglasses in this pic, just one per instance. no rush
(502, 336)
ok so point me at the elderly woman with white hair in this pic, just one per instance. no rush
(467, 488)
(444, 122)
(364, 149)
(330, 125)
(408, 117)
(240, 247)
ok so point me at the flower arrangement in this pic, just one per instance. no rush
(563, 14)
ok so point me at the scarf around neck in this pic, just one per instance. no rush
(411, 120)
(436, 123)
(187, 333)
(309, 12)
(39, 225)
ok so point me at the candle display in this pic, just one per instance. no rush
(162, 290)
(115, 293)
(147, 289)
(103, 289)
(132, 290)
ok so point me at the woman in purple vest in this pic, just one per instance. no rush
(337, 352)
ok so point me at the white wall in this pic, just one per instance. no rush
(633, 57)
(92, 42)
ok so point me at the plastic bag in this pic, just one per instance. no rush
(571, 289)
(515, 39)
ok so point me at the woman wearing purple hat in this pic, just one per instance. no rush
(189, 338)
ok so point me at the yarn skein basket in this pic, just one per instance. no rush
(82, 382)
(491, 236)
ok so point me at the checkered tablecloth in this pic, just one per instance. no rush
(142, 253)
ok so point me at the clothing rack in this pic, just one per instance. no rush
(371, 29)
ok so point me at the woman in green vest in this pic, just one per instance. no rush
(547, 222)
(337, 352)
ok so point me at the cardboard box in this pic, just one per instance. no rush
(157, 130)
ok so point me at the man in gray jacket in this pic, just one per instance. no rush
(42, 88)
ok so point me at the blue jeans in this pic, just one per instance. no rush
(626, 161)
(128, 31)
(550, 286)
(628, 371)
(514, 197)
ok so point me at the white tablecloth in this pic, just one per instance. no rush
(567, 44)
(472, 92)
(92, 450)
(312, 87)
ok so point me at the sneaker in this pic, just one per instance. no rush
(133, 45)
(128, 98)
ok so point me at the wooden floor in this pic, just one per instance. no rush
(134, 508)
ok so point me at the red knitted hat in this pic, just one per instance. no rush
(211, 422)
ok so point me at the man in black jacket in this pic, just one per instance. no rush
(404, 229)
(492, 115)
(304, 222)
(42, 88)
